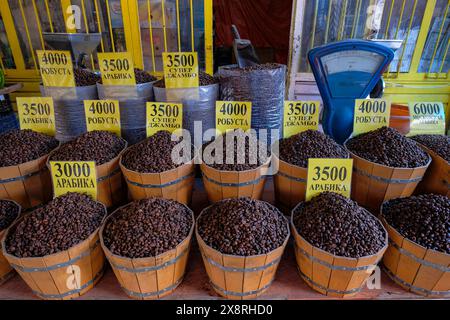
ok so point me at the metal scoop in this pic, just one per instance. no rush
(243, 50)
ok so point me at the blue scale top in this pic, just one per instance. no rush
(345, 71)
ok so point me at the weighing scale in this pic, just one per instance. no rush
(345, 71)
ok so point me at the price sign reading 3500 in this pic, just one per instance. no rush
(117, 68)
(333, 175)
(37, 114)
(300, 116)
(180, 69)
(232, 115)
(164, 116)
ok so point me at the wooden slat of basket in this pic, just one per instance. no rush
(84, 263)
(217, 274)
(252, 280)
(377, 189)
(298, 189)
(396, 190)
(58, 276)
(407, 266)
(273, 258)
(305, 264)
(361, 180)
(234, 281)
(182, 251)
(341, 280)
(14, 190)
(248, 190)
(33, 186)
(169, 192)
(213, 190)
(321, 274)
(148, 280)
(260, 174)
(126, 279)
(229, 177)
(427, 277)
(165, 275)
(184, 189)
(136, 192)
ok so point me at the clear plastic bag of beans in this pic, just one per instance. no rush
(199, 104)
(132, 103)
(264, 86)
(69, 109)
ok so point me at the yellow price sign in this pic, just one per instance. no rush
(74, 176)
(232, 115)
(180, 69)
(37, 114)
(334, 175)
(117, 68)
(56, 68)
(370, 114)
(102, 115)
(300, 116)
(164, 116)
(426, 118)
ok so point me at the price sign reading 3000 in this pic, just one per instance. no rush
(74, 176)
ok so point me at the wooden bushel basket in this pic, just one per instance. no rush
(64, 275)
(152, 277)
(240, 277)
(175, 184)
(29, 184)
(6, 271)
(437, 177)
(373, 184)
(220, 184)
(329, 274)
(415, 268)
(110, 186)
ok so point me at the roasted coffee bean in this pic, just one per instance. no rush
(249, 154)
(8, 213)
(147, 228)
(243, 227)
(423, 219)
(436, 142)
(143, 76)
(264, 66)
(155, 154)
(298, 148)
(387, 146)
(20, 146)
(61, 224)
(204, 79)
(98, 146)
(85, 77)
(339, 226)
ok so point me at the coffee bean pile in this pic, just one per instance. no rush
(298, 148)
(243, 227)
(98, 146)
(61, 224)
(204, 79)
(245, 156)
(436, 142)
(387, 146)
(20, 146)
(85, 77)
(154, 154)
(339, 226)
(143, 76)
(423, 219)
(8, 213)
(264, 66)
(147, 228)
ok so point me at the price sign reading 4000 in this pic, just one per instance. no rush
(232, 115)
(370, 114)
(56, 68)
(102, 115)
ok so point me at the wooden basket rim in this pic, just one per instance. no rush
(199, 238)
(386, 240)
(31, 259)
(97, 166)
(274, 154)
(37, 160)
(174, 250)
(19, 211)
(383, 220)
(353, 155)
(174, 170)
(267, 163)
